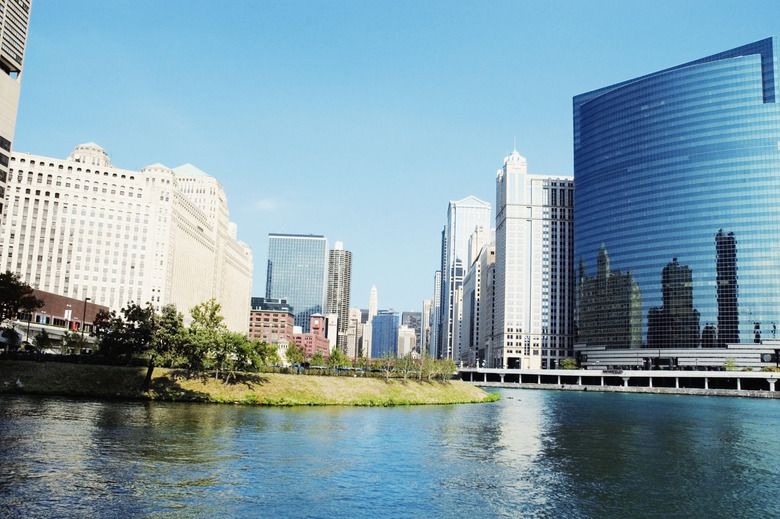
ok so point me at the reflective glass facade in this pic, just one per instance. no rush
(297, 270)
(677, 217)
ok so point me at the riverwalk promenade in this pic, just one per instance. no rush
(753, 384)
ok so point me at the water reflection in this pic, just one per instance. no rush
(534, 453)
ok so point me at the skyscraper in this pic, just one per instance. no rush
(297, 272)
(14, 21)
(337, 301)
(368, 334)
(384, 334)
(667, 161)
(534, 274)
(463, 217)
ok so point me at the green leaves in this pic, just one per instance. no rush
(15, 296)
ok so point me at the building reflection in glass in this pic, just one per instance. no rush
(676, 323)
(726, 266)
(610, 306)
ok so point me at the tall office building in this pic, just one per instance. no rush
(368, 334)
(297, 272)
(354, 347)
(14, 21)
(337, 301)
(534, 275)
(384, 334)
(463, 216)
(475, 322)
(82, 228)
(434, 344)
(414, 321)
(684, 165)
(425, 326)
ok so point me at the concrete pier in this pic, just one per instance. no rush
(753, 384)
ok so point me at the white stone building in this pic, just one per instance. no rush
(534, 282)
(82, 228)
(407, 340)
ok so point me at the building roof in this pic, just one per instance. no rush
(188, 170)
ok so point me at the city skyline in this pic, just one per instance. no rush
(398, 108)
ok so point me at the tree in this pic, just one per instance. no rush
(338, 359)
(318, 359)
(207, 315)
(42, 341)
(427, 367)
(109, 330)
(12, 338)
(206, 326)
(233, 352)
(16, 295)
(567, 364)
(294, 354)
(121, 335)
(406, 365)
(71, 341)
(168, 338)
(388, 363)
(445, 368)
(362, 363)
(730, 364)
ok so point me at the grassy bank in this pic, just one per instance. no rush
(49, 378)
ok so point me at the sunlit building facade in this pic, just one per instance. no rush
(677, 216)
(338, 290)
(83, 228)
(533, 281)
(463, 217)
(14, 21)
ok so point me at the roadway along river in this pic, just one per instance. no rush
(535, 453)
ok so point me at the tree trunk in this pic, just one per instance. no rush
(148, 378)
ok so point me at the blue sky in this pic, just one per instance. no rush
(357, 120)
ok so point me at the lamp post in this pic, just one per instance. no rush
(83, 322)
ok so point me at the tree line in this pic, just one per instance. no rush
(205, 345)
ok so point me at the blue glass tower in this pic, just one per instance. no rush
(384, 334)
(677, 220)
(297, 272)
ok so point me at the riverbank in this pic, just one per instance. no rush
(116, 382)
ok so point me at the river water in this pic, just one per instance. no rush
(535, 453)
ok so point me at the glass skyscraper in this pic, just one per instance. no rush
(384, 334)
(297, 272)
(677, 220)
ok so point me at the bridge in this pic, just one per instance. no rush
(731, 383)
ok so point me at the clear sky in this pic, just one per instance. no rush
(358, 120)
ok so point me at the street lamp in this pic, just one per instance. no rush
(83, 322)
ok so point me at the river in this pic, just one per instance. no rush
(535, 453)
